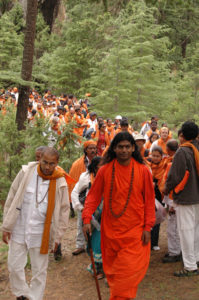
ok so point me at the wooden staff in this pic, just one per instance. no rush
(93, 264)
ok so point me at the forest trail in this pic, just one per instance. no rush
(69, 280)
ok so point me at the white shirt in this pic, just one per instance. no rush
(81, 185)
(92, 124)
(30, 222)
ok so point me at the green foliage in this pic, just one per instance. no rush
(10, 141)
(11, 44)
(18, 147)
(136, 58)
(131, 77)
(68, 145)
(5, 5)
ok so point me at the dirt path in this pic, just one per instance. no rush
(69, 280)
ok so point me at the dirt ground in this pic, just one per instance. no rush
(69, 280)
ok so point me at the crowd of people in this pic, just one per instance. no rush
(121, 189)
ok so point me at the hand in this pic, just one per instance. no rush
(87, 229)
(6, 237)
(164, 191)
(146, 237)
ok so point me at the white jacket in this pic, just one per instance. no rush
(15, 198)
(81, 185)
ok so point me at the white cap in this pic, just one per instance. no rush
(118, 117)
(139, 137)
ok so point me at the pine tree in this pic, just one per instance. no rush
(133, 77)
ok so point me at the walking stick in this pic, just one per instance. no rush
(93, 264)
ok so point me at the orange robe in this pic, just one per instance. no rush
(125, 258)
(80, 121)
(78, 167)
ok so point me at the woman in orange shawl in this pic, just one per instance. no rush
(158, 167)
(153, 137)
(127, 217)
(102, 138)
(110, 129)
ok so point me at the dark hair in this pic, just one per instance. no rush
(158, 149)
(34, 112)
(172, 145)
(154, 121)
(124, 122)
(122, 136)
(152, 135)
(101, 124)
(93, 165)
(179, 131)
(189, 130)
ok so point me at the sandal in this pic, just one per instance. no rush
(186, 273)
(78, 251)
(100, 276)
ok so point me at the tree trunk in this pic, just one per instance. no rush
(27, 63)
(50, 9)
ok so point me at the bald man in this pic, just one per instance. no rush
(35, 218)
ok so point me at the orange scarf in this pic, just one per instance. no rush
(92, 177)
(158, 171)
(163, 144)
(58, 172)
(195, 152)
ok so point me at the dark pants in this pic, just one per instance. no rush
(155, 235)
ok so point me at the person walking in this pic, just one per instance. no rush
(127, 217)
(35, 218)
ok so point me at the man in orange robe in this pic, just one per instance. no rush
(81, 122)
(127, 218)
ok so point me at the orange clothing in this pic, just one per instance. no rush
(125, 259)
(147, 145)
(165, 178)
(68, 117)
(142, 151)
(58, 172)
(149, 132)
(85, 107)
(66, 107)
(56, 129)
(162, 144)
(158, 171)
(195, 152)
(111, 132)
(80, 121)
(101, 143)
(130, 130)
(105, 151)
(78, 167)
(96, 134)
